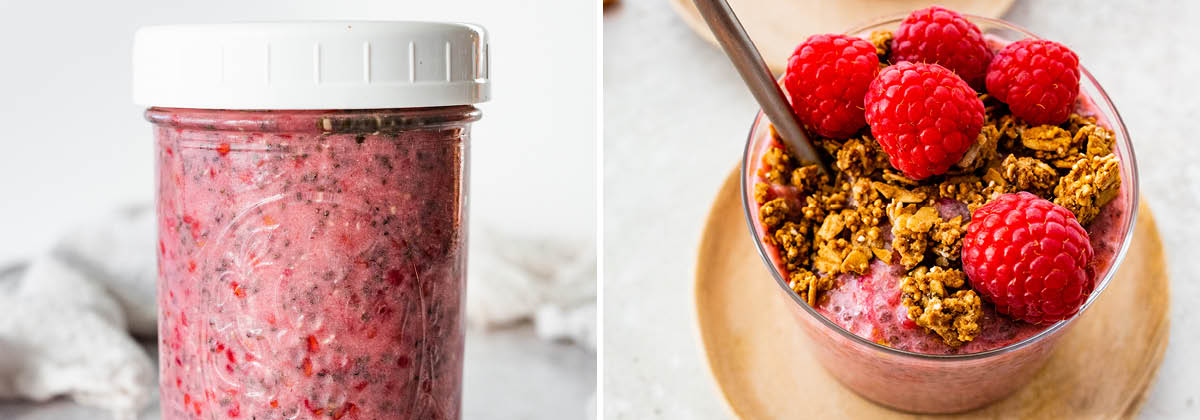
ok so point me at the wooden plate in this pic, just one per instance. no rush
(777, 26)
(1101, 369)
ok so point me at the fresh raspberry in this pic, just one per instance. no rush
(924, 116)
(1038, 79)
(942, 36)
(826, 77)
(1029, 257)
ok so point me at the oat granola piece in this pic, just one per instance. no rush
(761, 191)
(869, 201)
(871, 213)
(829, 255)
(868, 232)
(982, 151)
(993, 175)
(857, 260)
(809, 179)
(1076, 122)
(883, 254)
(954, 316)
(965, 188)
(860, 157)
(809, 285)
(839, 256)
(843, 242)
(1011, 130)
(1093, 182)
(910, 231)
(775, 212)
(890, 175)
(882, 40)
(794, 244)
(832, 226)
(1052, 144)
(777, 165)
(1099, 140)
(898, 194)
(813, 211)
(863, 193)
(837, 199)
(1029, 174)
(1047, 138)
(914, 219)
(946, 240)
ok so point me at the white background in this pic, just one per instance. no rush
(675, 121)
(73, 144)
(73, 147)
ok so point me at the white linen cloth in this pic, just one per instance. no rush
(551, 281)
(68, 317)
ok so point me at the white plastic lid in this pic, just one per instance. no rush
(311, 65)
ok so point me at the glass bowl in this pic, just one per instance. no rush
(931, 383)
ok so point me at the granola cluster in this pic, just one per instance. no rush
(952, 315)
(827, 225)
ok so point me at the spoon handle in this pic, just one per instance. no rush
(749, 63)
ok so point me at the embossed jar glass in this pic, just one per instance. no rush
(312, 231)
(928, 383)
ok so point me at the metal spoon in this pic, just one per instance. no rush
(749, 63)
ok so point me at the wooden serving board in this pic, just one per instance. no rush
(777, 26)
(1101, 369)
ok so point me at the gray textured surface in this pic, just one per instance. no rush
(676, 117)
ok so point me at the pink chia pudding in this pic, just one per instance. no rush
(856, 290)
(869, 306)
(311, 192)
(311, 263)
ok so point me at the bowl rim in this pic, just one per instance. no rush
(1118, 124)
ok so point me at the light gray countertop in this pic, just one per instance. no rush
(675, 119)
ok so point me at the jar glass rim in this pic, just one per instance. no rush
(333, 121)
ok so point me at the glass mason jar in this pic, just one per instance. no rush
(312, 240)
(929, 383)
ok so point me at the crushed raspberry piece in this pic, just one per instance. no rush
(307, 366)
(346, 409)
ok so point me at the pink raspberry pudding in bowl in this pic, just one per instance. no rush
(871, 259)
